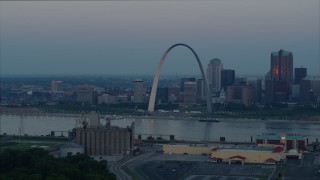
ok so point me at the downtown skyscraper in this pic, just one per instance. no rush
(214, 69)
(138, 91)
(299, 74)
(282, 66)
(280, 77)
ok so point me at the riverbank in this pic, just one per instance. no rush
(26, 111)
(313, 119)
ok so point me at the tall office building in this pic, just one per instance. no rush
(173, 93)
(240, 94)
(201, 88)
(257, 84)
(138, 90)
(295, 93)
(162, 95)
(56, 86)
(282, 66)
(215, 67)
(299, 74)
(281, 77)
(85, 94)
(185, 80)
(227, 78)
(190, 93)
(306, 92)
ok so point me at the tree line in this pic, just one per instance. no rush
(37, 164)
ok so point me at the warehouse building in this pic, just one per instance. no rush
(248, 154)
(186, 149)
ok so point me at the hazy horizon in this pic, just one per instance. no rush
(130, 37)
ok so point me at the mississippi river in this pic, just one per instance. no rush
(183, 129)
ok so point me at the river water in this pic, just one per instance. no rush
(190, 129)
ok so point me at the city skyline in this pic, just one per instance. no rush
(130, 37)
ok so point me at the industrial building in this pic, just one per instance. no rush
(102, 140)
(105, 141)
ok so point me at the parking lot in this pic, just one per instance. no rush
(307, 169)
(166, 169)
(211, 177)
(155, 165)
(174, 169)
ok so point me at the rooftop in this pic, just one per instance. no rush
(271, 136)
(244, 148)
(284, 53)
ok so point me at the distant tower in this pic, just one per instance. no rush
(227, 78)
(138, 90)
(162, 95)
(185, 80)
(257, 84)
(85, 94)
(299, 74)
(281, 77)
(56, 86)
(190, 93)
(282, 66)
(214, 75)
(201, 89)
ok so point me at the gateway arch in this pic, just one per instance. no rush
(156, 78)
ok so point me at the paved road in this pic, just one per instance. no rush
(118, 171)
(147, 154)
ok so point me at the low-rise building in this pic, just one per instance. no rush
(185, 149)
(106, 99)
(290, 141)
(248, 154)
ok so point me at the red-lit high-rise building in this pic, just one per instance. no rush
(280, 77)
(282, 66)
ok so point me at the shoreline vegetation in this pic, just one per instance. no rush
(304, 118)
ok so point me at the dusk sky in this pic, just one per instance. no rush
(130, 37)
